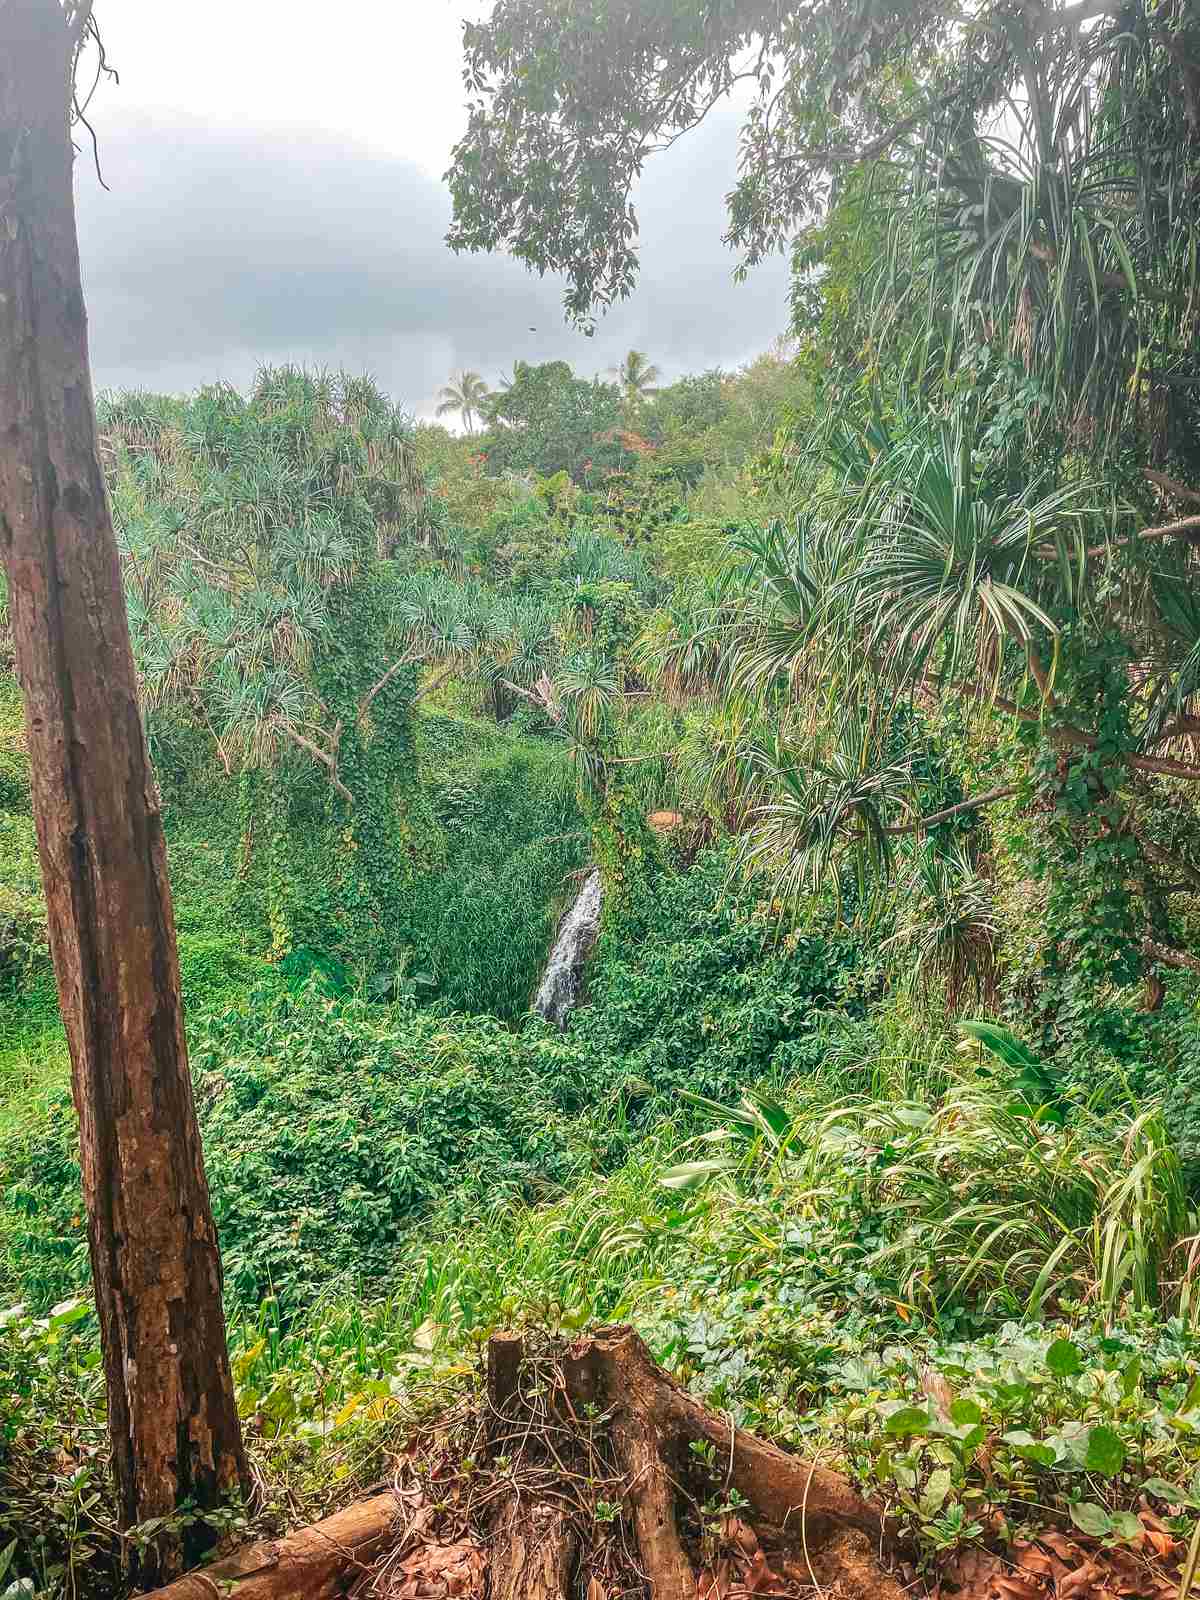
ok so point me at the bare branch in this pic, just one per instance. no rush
(322, 756)
(1172, 487)
(1169, 957)
(1186, 528)
(1165, 858)
(377, 688)
(1179, 729)
(1164, 766)
(436, 682)
(1004, 792)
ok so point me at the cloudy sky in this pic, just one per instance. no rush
(274, 169)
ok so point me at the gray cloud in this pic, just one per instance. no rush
(218, 249)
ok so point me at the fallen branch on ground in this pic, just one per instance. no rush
(316, 1563)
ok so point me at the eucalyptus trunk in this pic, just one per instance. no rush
(171, 1410)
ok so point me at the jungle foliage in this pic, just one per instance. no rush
(869, 675)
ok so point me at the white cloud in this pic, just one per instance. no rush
(288, 206)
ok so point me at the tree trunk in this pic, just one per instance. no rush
(172, 1415)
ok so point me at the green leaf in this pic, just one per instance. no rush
(1172, 1493)
(1091, 1519)
(690, 1174)
(936, 1492)
(1063, 1359)
(1127, 1525)
(1002, 1042)
(1192, 1400)
(909, 1419)
(964, 1411)
(67, 1312)
(1105, 1452)
(1030, 1449)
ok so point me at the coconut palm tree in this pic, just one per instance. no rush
(466, 394)
(637, 377)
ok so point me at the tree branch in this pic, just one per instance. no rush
(436, 682)
(1187, 527)
(1169, 957)
(1179, 729)
(405, 660)
(1004, 792)
(1164, 858)
(839, 155)
(324, 757)
(1171, 486)
(1165, 766)
(80, 20)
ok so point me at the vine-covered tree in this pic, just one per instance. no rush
(172, 1415)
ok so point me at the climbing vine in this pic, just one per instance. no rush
(1083, 850)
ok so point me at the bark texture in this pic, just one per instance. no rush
(153, 1245)
(318, 1563)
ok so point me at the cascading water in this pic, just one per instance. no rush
(558, 992)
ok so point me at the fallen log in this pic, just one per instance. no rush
(320, 1562)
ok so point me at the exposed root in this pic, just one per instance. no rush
(578, 1483)
(576, 1480)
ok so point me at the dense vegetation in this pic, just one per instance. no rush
(867, 675)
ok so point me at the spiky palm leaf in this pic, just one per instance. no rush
(828, 815)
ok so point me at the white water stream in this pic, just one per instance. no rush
(558, 992)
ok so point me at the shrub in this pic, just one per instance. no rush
(695, 985)
(331, 1127)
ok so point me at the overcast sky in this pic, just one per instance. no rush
(275, 169)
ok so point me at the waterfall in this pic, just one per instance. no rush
(558, 992)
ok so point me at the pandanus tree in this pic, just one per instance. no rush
(172, 1415)
(253, 532)
(924, 585)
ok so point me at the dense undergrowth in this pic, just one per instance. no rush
(392, 733)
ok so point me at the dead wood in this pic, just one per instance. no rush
(782, 1488)
(534, 1551)
(575, 1477)
(321, 1562)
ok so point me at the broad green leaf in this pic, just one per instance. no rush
(67, 1312)
(1172, 1493)
(964, 1411)
(936, 1492)
(1127, 1525)
(1063, 1359)
(1105, 1452)
(1002, 1042)
(1091, 1519)
(909, 1419)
